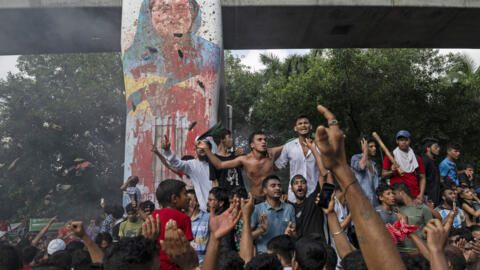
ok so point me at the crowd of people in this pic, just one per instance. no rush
(418, 213)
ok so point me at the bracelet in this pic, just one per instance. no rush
(337, 233)
(348, 186)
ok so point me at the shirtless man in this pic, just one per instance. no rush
(258, 164)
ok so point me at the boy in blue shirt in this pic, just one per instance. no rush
(448, 168)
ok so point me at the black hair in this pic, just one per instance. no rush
(454, 145)
(81, 260)
(9, 258)
(354, 261)
(368, 138)
(310, 254)
(474, 228)
(264, 262)
(455, 256)
(166, 189)
(28, 254)
(468, 166)
(134, 181)
(258, 132)
(117, 211)
(147, 204)
(240, 192)
(414, 262)
(61, 259)
(191, 191)
(428, 142)
(130, 253)
(218, 137)
(222, 195)
(187, 157)
(444, 188)
(331, 262)
(230, 261)
(401, 186)
(268, 178)
(130, 208)
(381, 189)
(105, 236)
(74, 245)
(301, 116)
(283, 246)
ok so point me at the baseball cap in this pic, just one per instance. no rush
(55, 245)
(298, 176)
(403, 133)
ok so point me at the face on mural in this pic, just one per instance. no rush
(171, 17)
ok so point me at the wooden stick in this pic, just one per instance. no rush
(387, 152)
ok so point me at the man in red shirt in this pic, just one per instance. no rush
(411, 165)
(172, 195)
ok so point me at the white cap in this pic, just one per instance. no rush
(55, 245)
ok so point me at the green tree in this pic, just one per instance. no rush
(58, 109)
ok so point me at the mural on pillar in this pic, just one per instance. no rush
(172, 55)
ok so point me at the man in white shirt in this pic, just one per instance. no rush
(298, 155)
(197, 169)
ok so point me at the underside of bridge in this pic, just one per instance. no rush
(65, 26)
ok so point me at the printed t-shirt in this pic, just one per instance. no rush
(130, 229)
(227, 178)
(448, 170)
(411, 179)
(183, 223)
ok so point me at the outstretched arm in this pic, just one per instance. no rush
(163, 160)
(276, 151)
(96, 254)
(318, 159)
(220, 165)
(371, 231)
(43, 231)
(342, 244)
(246, 240)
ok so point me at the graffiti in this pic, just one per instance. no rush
(171, 78)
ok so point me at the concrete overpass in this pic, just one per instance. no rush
(69, 26)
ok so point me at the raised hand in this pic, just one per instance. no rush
(165, 144)
(221, 225)
(154, 149)
(151, 227)
(52, 220)
(202, 145)
(238, 152)
(309, 143)
(247, 206)
(78, 229)
(364, 145)
(263, 222)
(290, 230)
(177, 247)
(331, 204)
(436, 235)
(330, 141)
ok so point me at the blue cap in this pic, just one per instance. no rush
(403, 133)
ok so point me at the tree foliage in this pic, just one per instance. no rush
(382, 90)
(57, 109)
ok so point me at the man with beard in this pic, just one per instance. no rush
(448, 198)
(197, 169)
(300, 157)
(386, 200)
(365, 168)
(308, 217)
(432, 150)
(417, 215)
(258, 164)
(272, 217)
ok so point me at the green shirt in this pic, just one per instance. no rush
(130, 229)
(418, 216)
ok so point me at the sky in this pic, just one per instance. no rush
(250, 58)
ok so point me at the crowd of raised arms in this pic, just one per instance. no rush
(419, 213)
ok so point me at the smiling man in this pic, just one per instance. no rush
(272, 217)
